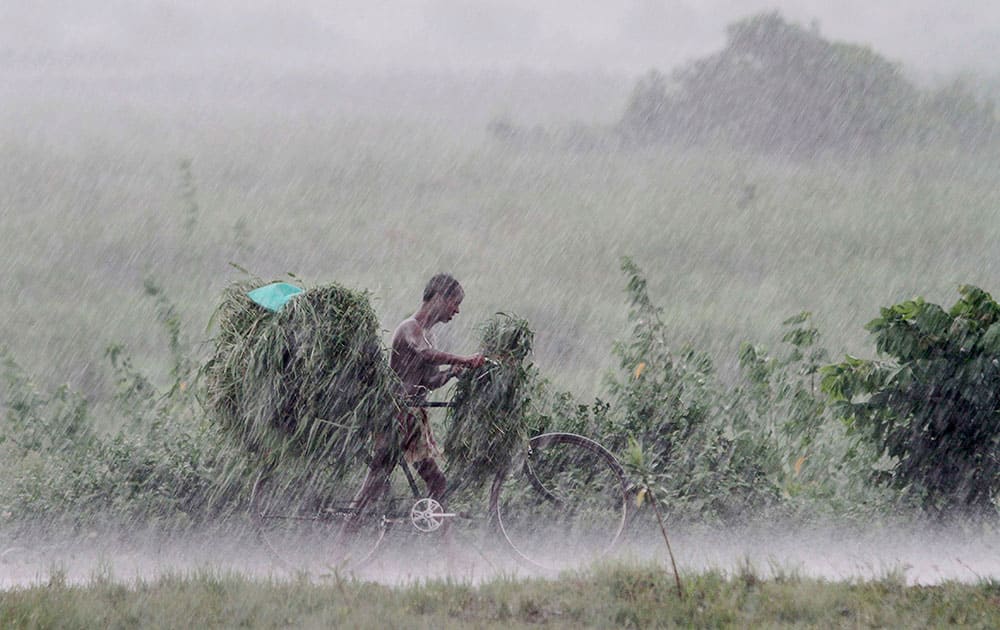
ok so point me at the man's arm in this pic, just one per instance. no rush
(414, 338)
(441, 378)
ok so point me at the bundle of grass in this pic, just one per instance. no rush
(309, 380)
(489, 421)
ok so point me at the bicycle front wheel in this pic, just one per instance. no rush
(565, 500)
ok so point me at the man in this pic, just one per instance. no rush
(417, 363)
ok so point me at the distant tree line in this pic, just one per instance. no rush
(778, 87)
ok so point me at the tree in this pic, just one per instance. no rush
(646, 117)
(779, 87)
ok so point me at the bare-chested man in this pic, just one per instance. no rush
(417, 363)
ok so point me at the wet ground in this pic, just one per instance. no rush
(923, 555)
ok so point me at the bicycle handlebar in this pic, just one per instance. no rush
(425, 403)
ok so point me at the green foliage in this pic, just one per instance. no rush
(33, 420)
(59, 471)
(164, 468)
(169, 317)
(706, 450)
(490, 420)
(562, 412)
(818, 466)
(935, 407)
(714, 451)
(310, 380)
(830, 209)
(779, 87)
(782, 390)
(710, 462)
(853, 224)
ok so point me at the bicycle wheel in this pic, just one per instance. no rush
(565, 500)
(304, 530)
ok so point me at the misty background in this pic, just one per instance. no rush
(351, 36)
(278, 104)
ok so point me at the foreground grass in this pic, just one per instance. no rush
(608, 597)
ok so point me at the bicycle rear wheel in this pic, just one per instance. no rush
(302, 529)
(565, 500)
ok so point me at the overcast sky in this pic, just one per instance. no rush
(929, 36)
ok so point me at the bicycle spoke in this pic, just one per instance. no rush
(567, 502)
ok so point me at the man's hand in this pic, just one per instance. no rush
(459, 365)
(473, 362)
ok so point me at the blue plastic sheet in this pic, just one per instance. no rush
(275, 295)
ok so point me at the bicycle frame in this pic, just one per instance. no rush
(526, 492)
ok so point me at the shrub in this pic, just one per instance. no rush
(934, 406)
(712, 460)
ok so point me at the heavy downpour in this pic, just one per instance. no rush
(495, 313)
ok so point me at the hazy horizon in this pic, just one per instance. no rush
(929, 38)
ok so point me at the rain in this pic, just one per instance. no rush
(750, 249)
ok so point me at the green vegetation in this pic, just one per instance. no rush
(311, 379)
(780, 88)
(491, 419)
(832, 237)
(714, 459)
(166, 468)
(772, 444)
(611, 596)
(935, 407)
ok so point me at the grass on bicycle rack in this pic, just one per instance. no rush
(311, 379)
(489, 421)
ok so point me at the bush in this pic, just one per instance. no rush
(720, 451)
(163, 466)
(712, 460)
(934, 406)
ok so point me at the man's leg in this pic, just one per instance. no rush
(376, 483)
(433, 477)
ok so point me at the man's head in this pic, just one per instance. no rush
(444, 295)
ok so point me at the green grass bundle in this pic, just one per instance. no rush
(310, 380)
(489, 421)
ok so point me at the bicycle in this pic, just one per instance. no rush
(563, 491)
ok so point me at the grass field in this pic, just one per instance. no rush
(95, 201)
(612, 596)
